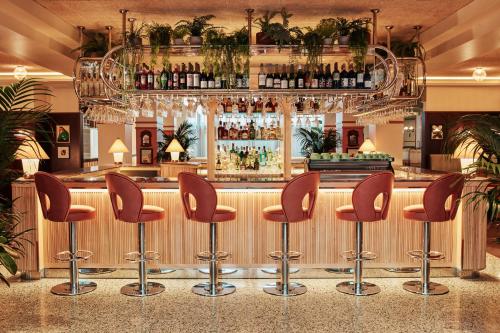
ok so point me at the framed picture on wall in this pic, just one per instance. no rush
(437, 132)
(146, 156)
(146, 139)
(63, 152)
(63, 134)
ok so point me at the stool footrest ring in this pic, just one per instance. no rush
(365, 255)
(433, 255)
(208, 256)
(135, 256)
(79, 255)
(291, 255)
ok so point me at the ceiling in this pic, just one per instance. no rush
(9, 62)
(402, 14)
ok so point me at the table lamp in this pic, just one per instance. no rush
(30, 153)
(117, 149)
(174, 148)
(367, 146)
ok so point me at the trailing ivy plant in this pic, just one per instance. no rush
(159, 37)
(358, 40)
(312, 43)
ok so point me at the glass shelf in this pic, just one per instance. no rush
(250, 140)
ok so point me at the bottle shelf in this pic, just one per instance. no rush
(249, 140)
(253, 92)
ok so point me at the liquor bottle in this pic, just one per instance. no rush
(217, 80)
(336, 76)
(157, 80)
(315, 79)
(218, 165)
(203, 80)
(291, 78)
(269, 78)
(225, 132)
(352, 77)
(244, 133)
(240, 132)
(367, 78)
(307, 78)
(196, 76)
(284, 78)
(164, 79)
(175, 78)
(262, 77)
(223, 81)
(344, 78)
(182, 77)
(170, 78)
(246, 80)
(137, 78)
(276, 78)
(211, 79)
(360, 82)
(144, 77)
(300, 78)
(151, 79)
(321, 78)
(328, 78)
(220, 131)
(251, 134)
(259, 105)
(233, 132)
(189, 77)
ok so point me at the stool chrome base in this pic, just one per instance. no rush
(156, 271)
(340, 270)
(274, 270)
(64, 289)
(96, 271)
(223, 271)
(348, 287)
(417, 288)
(403, 269)
(132, 289)
(223, 288)
(294, 289)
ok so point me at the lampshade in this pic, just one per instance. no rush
(479, 74)
(367, 146)
(466, 150)
(174, 147)
(31, 150)
(118, 147)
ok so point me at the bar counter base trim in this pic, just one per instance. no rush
(223, 289)
(64, 289)
(294, 289)
(133, 289)
(416, 288)
(349, 287)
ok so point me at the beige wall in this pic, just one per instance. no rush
(463, 98)
(387, 138)
(108, 134)
(64, 98)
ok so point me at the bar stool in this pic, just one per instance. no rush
(58, 208)
(206, 210)
(433, 209)
(133, 210)
(291, 210)
(363, 209)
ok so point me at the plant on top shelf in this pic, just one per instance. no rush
(178, 34)
(312, 43)
(159, 37)
(196, 28)
(275, 33)
(327, 28)
(358, 40)
(411, 48)
(343, 27)
(134, 36)
(185, 134)
(315, 140)
(96, 45)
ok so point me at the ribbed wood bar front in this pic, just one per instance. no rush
(249, 237)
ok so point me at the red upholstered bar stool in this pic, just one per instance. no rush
(206, 210)
(291, 210)
(433, 210)
(363, 209)
(55, 200)
(133, 210)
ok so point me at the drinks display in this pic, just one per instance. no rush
(249, 129)
(250, 157)
(314, 77)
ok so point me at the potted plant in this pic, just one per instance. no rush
(134, 36)
(159, 37)
(343, 27)
(277, 33)
(409, 49)
(359, 39)
(96, 45)
(312, 42)
(185, 134)
(178, 34)
(327, 28)
(262, 37)
(17, 115)
(315, 140)
(196, 28)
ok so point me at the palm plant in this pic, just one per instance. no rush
(95, 46)
(480, 135)
(276, 32)
(316, 140)
(22, 114)
(185, 134)
(197, 27)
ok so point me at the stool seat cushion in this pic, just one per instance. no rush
(277, 214)
(224, 213)
(347, 213)
(417, 213)
(149, 213)
(80, 213)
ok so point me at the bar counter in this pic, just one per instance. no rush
(250, 238)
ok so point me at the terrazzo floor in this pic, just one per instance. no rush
(470, 306)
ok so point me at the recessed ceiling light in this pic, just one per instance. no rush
(20, 72)
(479, 74)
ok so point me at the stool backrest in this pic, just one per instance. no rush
(294, 193)
(438, 192)
(130, 195)
(367, 191)
(59, 199)
(204, 195)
